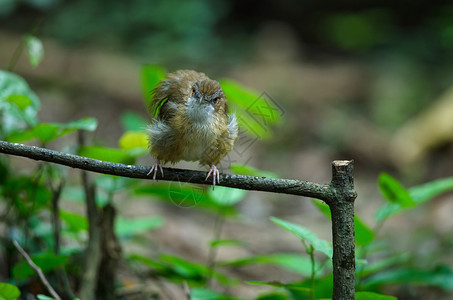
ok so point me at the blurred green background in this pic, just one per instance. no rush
(365, 80)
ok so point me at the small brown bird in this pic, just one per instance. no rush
(190, 122)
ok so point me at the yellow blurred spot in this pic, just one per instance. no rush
(133, 139)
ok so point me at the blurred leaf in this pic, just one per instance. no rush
(441, 277)
(180, 194)
(9, 291)
(393, 191)
(428, 191)
(305, 234)
(225, 196)
(363, 233)
(125, 227)
(204, 294)
(15, 116)
(87, 123)
(46, 261)
(273, 296)
(358, 30)
(133, 139)
(21, 101)
(35, 50)
(106, 154)
(289, 286)
(131, 121)
(256, 113)
(323, 288)
(46, 132)
(295, 263)
(419, 194)
(397, 196)
(372, 296)
(44, 297)
(151, 75)
(247, 170)
(229, 242)
(384, 263)
(178, 269)
(113, 184)
(75, 221)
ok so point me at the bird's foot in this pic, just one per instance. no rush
(154, 169)
(215, 174)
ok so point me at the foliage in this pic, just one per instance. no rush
(30, 197)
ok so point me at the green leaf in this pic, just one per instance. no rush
(9, 291)
(21, 101)
(113, 184)
(273, 296)
(441, 277)
(397, 196)
(35, 50)
(107, 154)
(183, 195)
(393, 191)
(14, 116)
(372, 296)
(131, 121)
(87, 123)
(247, 170)
(305, 234)
(178, 269)
(291, 262)
(204, 294)
(125, 227)
(44, 297)
(383, 263)
(151, 75)
(419, 194)
(46, 261)
(229, 242)
(289, 286)
(75, 221)
(225, 196)
(46, 132)
(256, 112)
(428, 191)
(134, 139)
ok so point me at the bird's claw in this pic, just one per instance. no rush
(154, 170)
(215, 174)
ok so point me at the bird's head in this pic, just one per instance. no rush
(206, 99)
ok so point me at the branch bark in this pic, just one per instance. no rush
(342, 211)
(339, 194)
(285, 186)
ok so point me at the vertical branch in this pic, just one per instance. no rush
(111, 254)
(92, 252)
(342, 209)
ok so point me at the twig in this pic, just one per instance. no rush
(339, 194)
(186, 290)
(37, 269)
(285, 186)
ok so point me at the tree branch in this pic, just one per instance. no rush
(38, 270)
(285, 186)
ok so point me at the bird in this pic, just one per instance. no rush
(191, 122)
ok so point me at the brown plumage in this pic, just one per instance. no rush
(190, 121)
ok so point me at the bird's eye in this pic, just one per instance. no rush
(215, 100)
(193, 91)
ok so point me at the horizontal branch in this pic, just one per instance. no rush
(285, 186)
